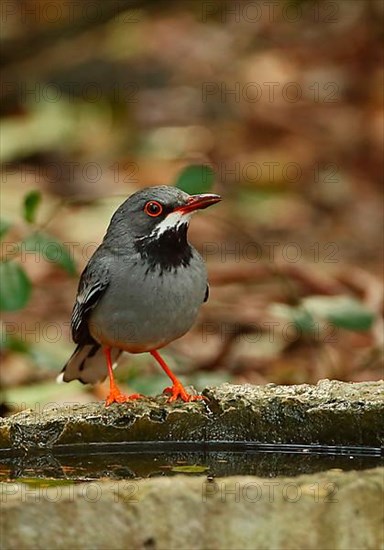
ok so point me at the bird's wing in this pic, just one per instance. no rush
(92, 285)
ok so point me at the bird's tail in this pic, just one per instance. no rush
(87, 364)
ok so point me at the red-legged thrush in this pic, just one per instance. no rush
(141, 289)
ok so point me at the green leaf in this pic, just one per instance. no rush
(190, 469)
(37, 482)
(196, 179)
(51, 250)
(4, 226)
(298, 315)
(15, 289)
(303, 320)
(341, 311)
(11, 342)
(31, 203)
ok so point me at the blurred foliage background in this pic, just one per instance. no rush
(282, 100)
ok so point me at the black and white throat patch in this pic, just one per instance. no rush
(167, 247)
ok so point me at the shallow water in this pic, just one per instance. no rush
(147, 459)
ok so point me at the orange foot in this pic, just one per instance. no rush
(115, 396)
(178, 390)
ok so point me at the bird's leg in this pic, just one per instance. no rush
(177, 389)
(115, 395)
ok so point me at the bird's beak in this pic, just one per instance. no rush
(198, 202)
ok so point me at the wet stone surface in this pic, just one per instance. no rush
(330, 510)
(229, 471)
(329, 413)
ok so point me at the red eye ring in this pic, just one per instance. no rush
(153, 209)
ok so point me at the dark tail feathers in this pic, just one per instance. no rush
(87, 364)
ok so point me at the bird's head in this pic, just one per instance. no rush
(158, 212)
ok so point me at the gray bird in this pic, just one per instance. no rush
(140, 290)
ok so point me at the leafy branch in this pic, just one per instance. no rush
(16, 287)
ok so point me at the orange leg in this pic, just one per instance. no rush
(177, 389)
(115, 395)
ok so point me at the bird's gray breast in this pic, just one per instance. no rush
(144, 309)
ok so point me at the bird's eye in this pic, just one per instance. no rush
(153, 208)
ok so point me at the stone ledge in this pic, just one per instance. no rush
(329, 413)
(329, 510)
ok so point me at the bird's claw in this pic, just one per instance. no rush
(178, 391)
(115, 396)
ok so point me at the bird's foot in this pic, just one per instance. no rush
(178, 390)
(115, 396)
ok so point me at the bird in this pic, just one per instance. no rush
(141, 289)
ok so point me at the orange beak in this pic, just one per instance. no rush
(198, 202)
